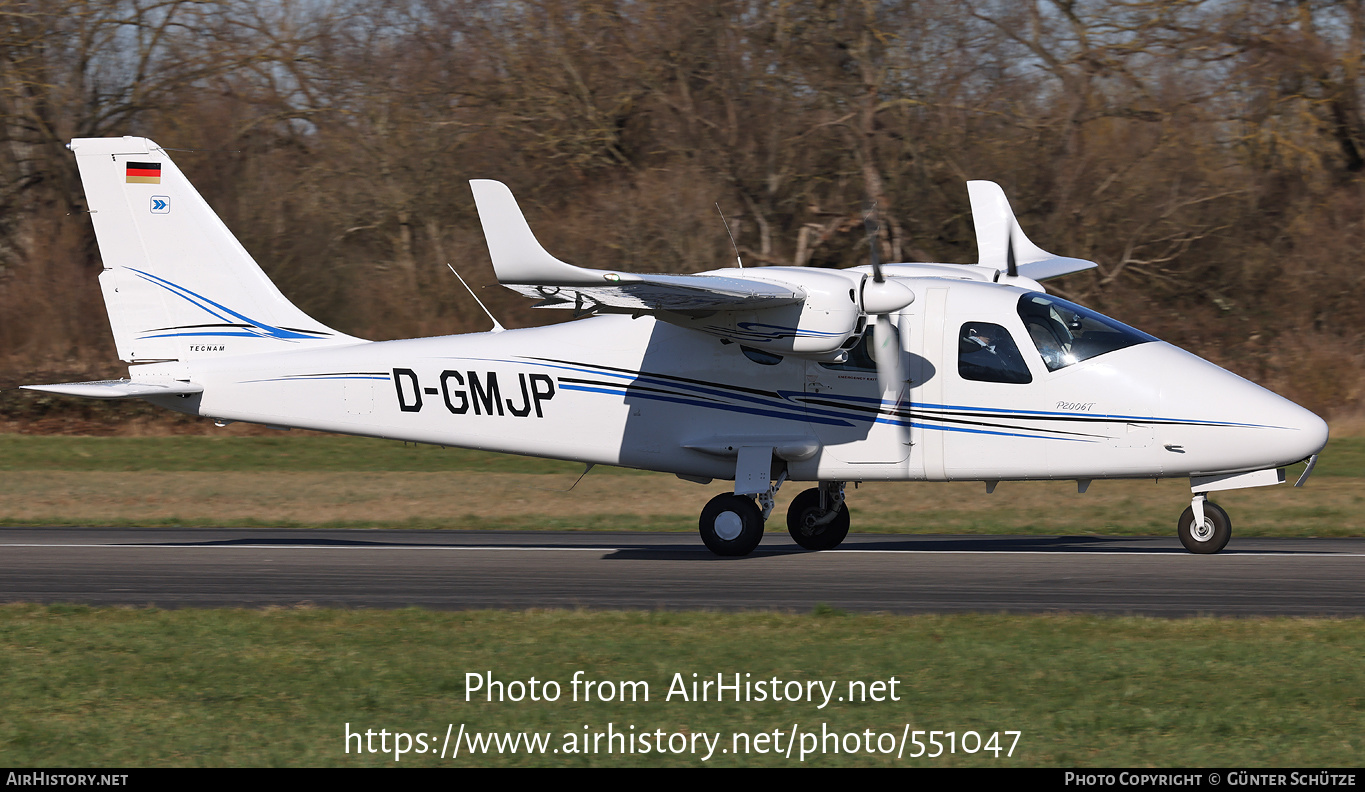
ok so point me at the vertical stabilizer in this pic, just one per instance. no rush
(177, 284)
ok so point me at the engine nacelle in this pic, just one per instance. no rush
(827, 323)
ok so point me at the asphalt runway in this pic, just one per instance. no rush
(177, 567)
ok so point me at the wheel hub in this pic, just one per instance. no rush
(1202, 532)
(728, 525)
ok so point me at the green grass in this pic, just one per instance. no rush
(1344, 456)
(125, 687)
(300, 481)
(134, 688)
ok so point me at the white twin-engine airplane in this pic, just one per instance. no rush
(918, 372)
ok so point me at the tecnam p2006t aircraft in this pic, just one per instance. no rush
(933, 372)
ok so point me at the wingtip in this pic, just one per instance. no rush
(518, 257)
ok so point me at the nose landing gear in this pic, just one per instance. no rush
(1204, 528)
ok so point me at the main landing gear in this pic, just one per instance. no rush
(732, 525)
(1204, 527)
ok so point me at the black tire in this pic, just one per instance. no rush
(731, 525)
(804, 511)
(1215, 535)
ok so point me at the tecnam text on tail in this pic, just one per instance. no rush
(933, 372)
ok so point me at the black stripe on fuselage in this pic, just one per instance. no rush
(958, 417)
(669, 377)
(631, 386)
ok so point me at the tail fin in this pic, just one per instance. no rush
(177, 284)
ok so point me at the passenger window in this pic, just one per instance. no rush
(987, 353)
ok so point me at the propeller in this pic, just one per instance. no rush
(1011, 268)
(881, 298)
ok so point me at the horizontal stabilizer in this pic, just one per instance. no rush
(118, 389)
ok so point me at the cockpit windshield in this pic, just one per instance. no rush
(1066, 333)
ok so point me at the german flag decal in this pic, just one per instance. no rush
(144, 173)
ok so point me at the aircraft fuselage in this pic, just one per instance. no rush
(651, 395)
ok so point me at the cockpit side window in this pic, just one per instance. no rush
(1066, 333)
(987, 353)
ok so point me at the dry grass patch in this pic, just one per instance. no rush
(463, 499)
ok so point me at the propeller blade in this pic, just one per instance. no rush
(870, 223)
(887, 353)
(880, 299)
(1011, 268)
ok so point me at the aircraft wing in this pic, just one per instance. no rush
(998, 236)
(117, 389)
(679, 293)
(1054, 267)
(522, 264)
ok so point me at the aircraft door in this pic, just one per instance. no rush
(990, 415)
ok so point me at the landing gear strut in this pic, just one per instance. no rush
(1204, 527)
(818, 518)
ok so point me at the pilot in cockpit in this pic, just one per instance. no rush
(987, 353)
(976, 338)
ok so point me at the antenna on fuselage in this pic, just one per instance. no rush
(732, 236)
(497, 326)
